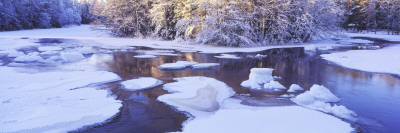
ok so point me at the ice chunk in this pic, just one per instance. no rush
(49, 48)
(196, 95)
(141, 83)
(294, 88)
(257, 56)
(204, 65)
(85, 50)
(72, 56)
(145, 56)
(246, 119)
(49, 52)
(274, 85)
(177, 65)
(54, 101)
(288, 95)
(31, 57)
(319, 98)
(228, 56)
(257, 77)
(12, 53)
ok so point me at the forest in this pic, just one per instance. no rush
(212, 22)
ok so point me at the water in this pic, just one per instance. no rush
(374, 97)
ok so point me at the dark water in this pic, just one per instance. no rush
(374, 97)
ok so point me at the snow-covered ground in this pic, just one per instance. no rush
(53, 101)
(208, 101)
(100, 38)
(385, 60)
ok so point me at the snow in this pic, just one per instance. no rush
(72, 56)
(31, 57)
(288, 96)
(145, 56)
(198, 96)
(257, 56)
(359, 41)
(141, 83)
(295, 88)
(380, 35)
(85, 50)
(257, 77)
(204, 65)
(50, 52)
(288, 119)
(211, 109)
(275, 85)
(54, 101)
(177, 65)
(385, 60)
(49, 48)
(319, 98)
(228, 56)
(12, 53)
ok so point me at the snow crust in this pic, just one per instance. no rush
(257, 77)
(53, 101)
(204, 65)
(384, 60)
(141, 83)
(319, 98)
(228, 56)
(145, 56)
(295, 88)
(177, 65)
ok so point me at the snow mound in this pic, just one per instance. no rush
(72, 56)
(198, 96)
(295, 88)
(145, 56)
(177, 65)
(275, 85)
(257, 77)
(319, 98)
(204, 65)
(228, 56)
(141, 83)
(287, 96)
(380, 60)
(54, 101)
(31, 57)
(49, 48)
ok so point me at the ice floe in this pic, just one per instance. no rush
(228, 56)
(71, 56)
(319, 98)
(258, 77)
(198, 96)
(145, 56)
(141, 83)
(204, 65)
(54, 101)
(274, 85)
(177, 65)
(49, 48)
(234, 117)
(31, 57)
(295, 88)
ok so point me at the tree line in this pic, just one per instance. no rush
(213, 22)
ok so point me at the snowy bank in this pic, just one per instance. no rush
(386, 60)
(141, 83)
(319, 98)
(379, 35)
(54, 101)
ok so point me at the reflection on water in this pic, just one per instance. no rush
(375, 97)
